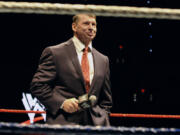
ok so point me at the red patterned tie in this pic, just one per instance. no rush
(85, 68)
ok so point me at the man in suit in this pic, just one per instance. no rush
(72, 69)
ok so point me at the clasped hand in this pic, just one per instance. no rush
(70, 105)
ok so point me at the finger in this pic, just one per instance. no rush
(74, 106)
(68, 107)
(75, 103)
(71, 105)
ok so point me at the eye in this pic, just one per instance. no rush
(93, 24)
(86, 23)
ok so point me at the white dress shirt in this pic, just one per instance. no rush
(79, 49)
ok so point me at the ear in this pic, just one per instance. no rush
(74, 27)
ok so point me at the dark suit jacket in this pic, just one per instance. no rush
(59, 77)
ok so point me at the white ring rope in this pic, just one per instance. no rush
(99, 10)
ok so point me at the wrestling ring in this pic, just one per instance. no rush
(39, 129)
(100, 10)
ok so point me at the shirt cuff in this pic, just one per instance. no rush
(61, 107)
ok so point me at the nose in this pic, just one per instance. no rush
(91, 26)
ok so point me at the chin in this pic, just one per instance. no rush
(92, 37)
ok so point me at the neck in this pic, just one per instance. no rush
(84, 41)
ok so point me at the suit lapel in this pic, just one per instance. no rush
(95, 68)
(74, 58)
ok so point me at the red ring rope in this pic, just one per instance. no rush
(144, 115)
(111, 115)
(20, 111)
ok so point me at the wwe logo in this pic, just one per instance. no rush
(31, 104)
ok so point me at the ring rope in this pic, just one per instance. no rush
(144, 115)
(35, 129)
(111, 115)
(99, 10)
(20, 111)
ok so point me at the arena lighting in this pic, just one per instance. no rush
(150, 50)
(143, 90)
(121, 46)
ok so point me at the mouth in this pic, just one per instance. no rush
(90, 34)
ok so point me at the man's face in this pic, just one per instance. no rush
(85, 28)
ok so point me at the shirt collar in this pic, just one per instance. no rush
(79, 45)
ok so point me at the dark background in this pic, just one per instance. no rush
(143, 53)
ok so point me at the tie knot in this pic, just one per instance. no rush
(86, 49)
